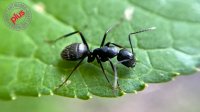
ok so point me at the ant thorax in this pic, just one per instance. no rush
(106, 52)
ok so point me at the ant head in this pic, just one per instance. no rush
(127, 58)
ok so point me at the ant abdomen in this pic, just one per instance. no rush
(75, 51)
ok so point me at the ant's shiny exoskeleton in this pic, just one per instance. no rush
(79, 51)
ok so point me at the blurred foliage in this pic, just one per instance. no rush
(31, 67)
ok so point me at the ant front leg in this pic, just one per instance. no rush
(116, 83)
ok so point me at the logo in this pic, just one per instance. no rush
(17, 16)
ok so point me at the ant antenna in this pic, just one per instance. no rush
(144, 30)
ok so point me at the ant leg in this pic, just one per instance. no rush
(67, 35)
(99, 61)
(105, 34)
(116, 83)
(108, 44)
(70, 73)
(144, 30)
(125, 60)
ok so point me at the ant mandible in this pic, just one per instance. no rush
(79, 51)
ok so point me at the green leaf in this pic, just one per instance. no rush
(31, 67)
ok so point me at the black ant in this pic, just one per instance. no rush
(79, 51)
